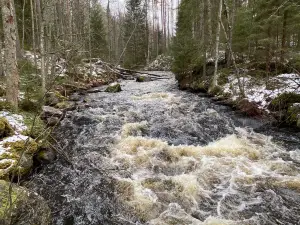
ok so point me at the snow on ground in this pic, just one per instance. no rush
(260, 92)
(16, 121)
(60, 64)
(98, 66)
(161, 63)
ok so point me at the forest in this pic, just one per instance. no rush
(149, 112)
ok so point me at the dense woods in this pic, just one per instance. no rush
(93, 119)
(257, 36)
(80, 29)
(261, 32)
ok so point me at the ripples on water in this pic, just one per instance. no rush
(154, 155)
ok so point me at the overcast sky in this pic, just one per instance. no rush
(116, 5)
(119, 5)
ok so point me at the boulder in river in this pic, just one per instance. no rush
(49, 111)
(46, 155)
(65, 105)
(249, 108)
(28, 208)
(113, 88)
(143, 79)
(52, 121)
(53, 98)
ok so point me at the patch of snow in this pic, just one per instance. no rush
(14, 138)
(259, 92)
(16, 121)
(161, 63)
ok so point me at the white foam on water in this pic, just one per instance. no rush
(163, 174)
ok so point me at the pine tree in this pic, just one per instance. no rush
(135, 29)
(98, 35)
(184, 48)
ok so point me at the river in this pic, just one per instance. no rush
(153, 154)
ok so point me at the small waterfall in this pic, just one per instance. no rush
(155, 155)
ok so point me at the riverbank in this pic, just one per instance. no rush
(153, 154)
(27, 135)
(276, 97)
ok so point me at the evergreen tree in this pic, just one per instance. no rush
(99, 44)
(184, 48)
(135, 34)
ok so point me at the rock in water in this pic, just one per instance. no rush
(49, 111)
(113, 88)
(249, 108)
(46, 155)
(52, 121)
(66, 105)
(28, 208)
(53, 98)
(143, 79)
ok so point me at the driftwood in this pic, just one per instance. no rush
(126, 74)
(134, 72)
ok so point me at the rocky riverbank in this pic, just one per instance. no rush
(26, 139)
(276, 97)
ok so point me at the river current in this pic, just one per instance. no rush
(153, 154)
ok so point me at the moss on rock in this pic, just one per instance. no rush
(53, 98)
(140, 79)
(283, 101)
(29, 146)
(4, 105)
(21, 206)
(2, 91)
(113, 88)
(5, 128)
(18, 158)
(293, 115)
(65, 105)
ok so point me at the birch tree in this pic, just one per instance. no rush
(215, 77)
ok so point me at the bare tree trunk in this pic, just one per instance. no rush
(11, 70)
(1, 58)
(229, 29)
(298, 41)
(42, 44)
(237, 72)
(147, 34)
(33, 33)
(90, 39)
(23, 23)
(215, 77)
(209, 26)
(204, 36)
(108, 31)
(18, 45)
(283, 39)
